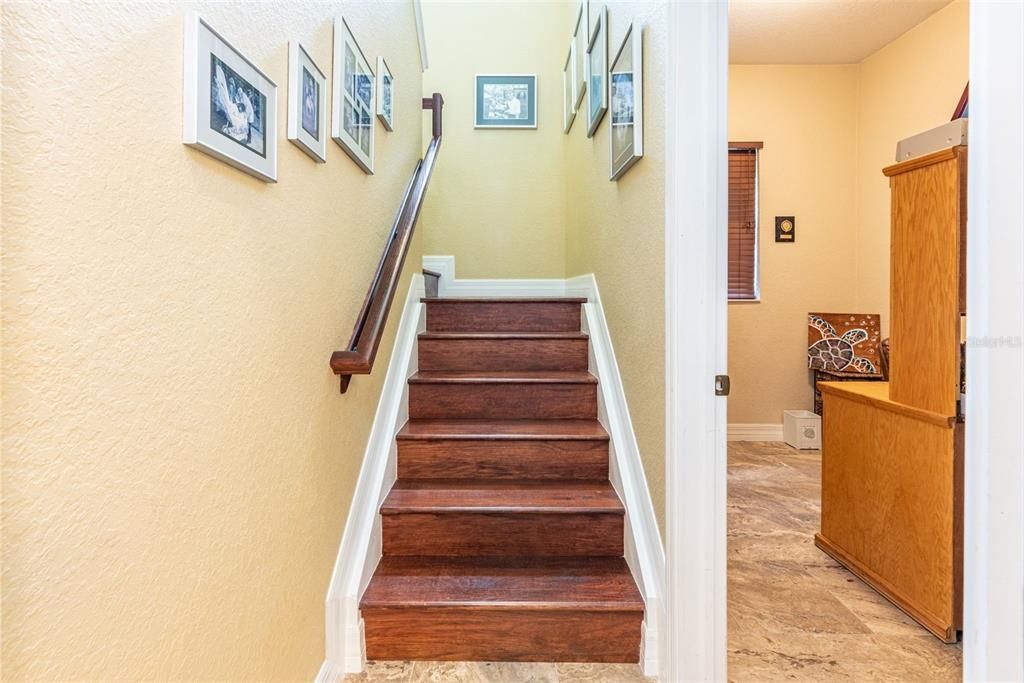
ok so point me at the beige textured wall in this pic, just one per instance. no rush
(617, 231)
(828, 132)
(497, 199)
(806, 117)
(905, 88)
(178, 462)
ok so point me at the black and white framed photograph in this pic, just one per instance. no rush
(230, 106)
(580, 39)
(568, 83)
(385, 94)
(505, 101)
(354, 102)
(307, 103)
(596, 65)
(626, 102)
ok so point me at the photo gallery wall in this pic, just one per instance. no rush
(230, 105)
(591, 86)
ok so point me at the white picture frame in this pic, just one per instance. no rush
(568, 89)
(229, 104)
(307, 103)
(353, 104)
(580, 39)
(596, 72)
(385, 94)
(626, 102)
(506, 101)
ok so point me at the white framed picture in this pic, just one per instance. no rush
(307, 103)
(354, 103)
(230, 106)
(505, 101)
(385, 94)
(626, 101)
(596, 65)
(568, 86)
(580, 39)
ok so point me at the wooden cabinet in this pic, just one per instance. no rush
(892, 452)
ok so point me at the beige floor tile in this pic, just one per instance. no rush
(795, 614)
(517, 672)
(600, 673)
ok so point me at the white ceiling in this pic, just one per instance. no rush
(819, 31)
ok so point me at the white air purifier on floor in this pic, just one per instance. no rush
(801, 429)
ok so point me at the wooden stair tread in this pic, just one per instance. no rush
(439, 496)
(502, 335)
(592, 583)
(504, 299)
(548, 430)
(504, 377)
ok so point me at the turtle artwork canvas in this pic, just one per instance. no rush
(844, 343)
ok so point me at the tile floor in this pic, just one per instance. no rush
(794, 613)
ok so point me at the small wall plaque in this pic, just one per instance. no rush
(785, 228)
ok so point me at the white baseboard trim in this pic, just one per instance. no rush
(739, 431)
(449, 286)
(360, 549)
(329, 673)
(644, 551)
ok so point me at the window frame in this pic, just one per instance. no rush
(756, 147)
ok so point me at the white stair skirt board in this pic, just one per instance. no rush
(754, 432)
(361, 544)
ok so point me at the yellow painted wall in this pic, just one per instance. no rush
(907, 87)
(616, 230)
(497, 199)
(177, 460)
(828, 132)
(806, 117)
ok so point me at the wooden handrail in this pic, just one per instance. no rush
(358, 358)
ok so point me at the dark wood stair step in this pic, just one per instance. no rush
(503, 395)
(503, 314)
(503, 449)
(503, 609)
(481, 351)
(502, 518)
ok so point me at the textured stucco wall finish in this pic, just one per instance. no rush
(177, 460)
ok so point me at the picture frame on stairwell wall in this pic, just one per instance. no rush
(307, 103)
(385, 94)
(568, 85)
(354, 102)
(229, 104)
(626, 102)
(580, 40)
(505, 101)
(596, 72)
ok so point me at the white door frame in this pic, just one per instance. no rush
(994, 462)
(695, 342)
(695, 339)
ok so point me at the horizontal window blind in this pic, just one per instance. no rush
(743, 222)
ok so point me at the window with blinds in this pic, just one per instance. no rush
(743, 271)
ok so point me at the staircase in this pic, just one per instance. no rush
(503, 537)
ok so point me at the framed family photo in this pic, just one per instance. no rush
(597, 70)
(385, 94)
(230, 106)
(354, 105)
(307, 103)
(627, 104)
(505, 101)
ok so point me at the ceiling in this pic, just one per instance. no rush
(819, 31)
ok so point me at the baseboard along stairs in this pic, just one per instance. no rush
(502, 535)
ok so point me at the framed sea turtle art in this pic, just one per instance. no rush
(844, 343)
